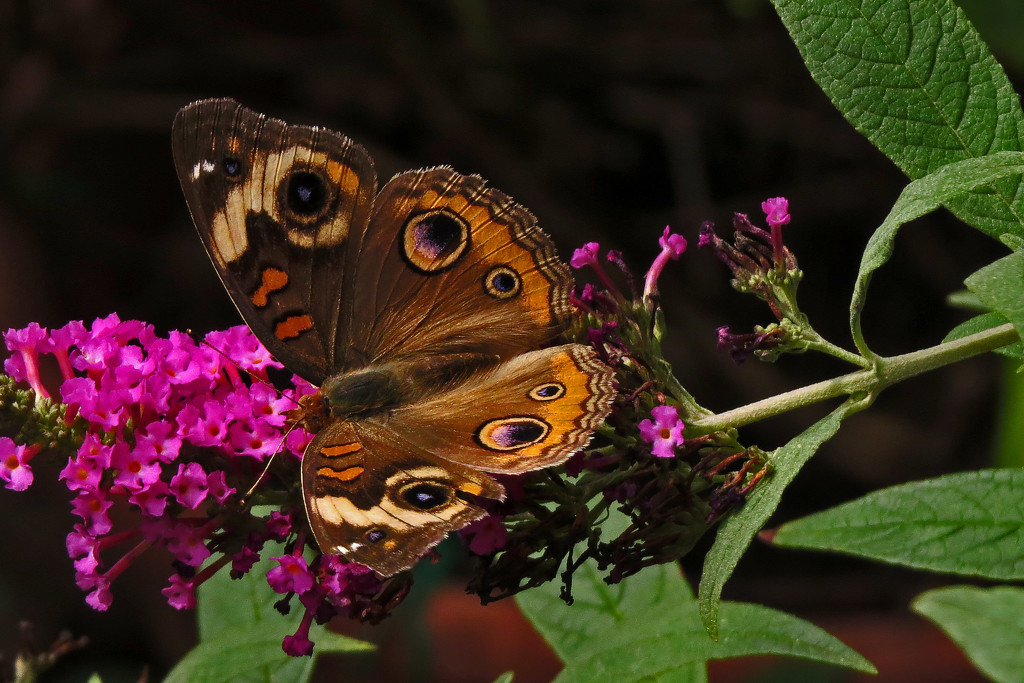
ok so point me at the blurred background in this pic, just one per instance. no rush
(609, 120)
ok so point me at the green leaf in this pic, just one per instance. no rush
(980, 323)
(915, 78)
(223, 602)
(1000, 286)
(737, 531)
(506, 677)
(987, 624)
(969, 523)
(647, 628)
(241, 632)
(251, 653)
(917, 199)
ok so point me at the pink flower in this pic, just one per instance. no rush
(137, 468)
(486, 535)
(100, 597)
(243, 560)
(189, 485)
(152, 500)
(92, 507)
(776, 210)
(14, 469)
(278, 525)
(292, 575)
(299, 644)
(187, 544)
(28, 343)
(585, 255)
(81, 473)
(672, 247)
(665, 431)
(181, 594)
(218, 488)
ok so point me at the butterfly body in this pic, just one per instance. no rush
(419, 310)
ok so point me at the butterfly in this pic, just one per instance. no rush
(420, 310)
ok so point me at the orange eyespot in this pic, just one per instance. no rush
(512, 433)
(549, 391)
(434, 240)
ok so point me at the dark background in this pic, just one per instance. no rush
(609, 120)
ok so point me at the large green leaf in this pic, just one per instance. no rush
(987, 624)
(917, 199)
(914, 77)
(970, 523)
(736, 532)
(1000, 287)
(241, 633)
(647, 628)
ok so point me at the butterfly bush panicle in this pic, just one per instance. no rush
(178, 431)
(762, 265)
(671, 488)
(173, 430)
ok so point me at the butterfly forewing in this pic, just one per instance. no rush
(280, 209)
(451, 265)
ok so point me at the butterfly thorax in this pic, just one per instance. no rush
(381, 388)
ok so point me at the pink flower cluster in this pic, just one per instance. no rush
(165, 419)
(327, 588)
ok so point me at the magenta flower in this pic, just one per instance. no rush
(776, 210)
(181, 594)
(189, 485)
(299, 644)
(28, 343)
(292, 575)
(81, 474)
(665, 431)
(672, 247)
(137, 403)
(14, 469)
(585, 255)
(486, 535)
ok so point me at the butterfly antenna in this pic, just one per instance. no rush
(266, 468)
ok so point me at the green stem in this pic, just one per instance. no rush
(870, 382)
(823, 346)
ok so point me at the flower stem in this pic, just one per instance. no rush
(870, 381)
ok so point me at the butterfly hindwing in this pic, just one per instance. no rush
(532, 411)
(384, 502)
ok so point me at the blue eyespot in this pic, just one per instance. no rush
(502, 282)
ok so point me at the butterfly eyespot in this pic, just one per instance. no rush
(306, 197)
(423, 496)
(548, 391)
(512, 433)
(502, 282)
(434, 240)
(375, 535)
(232, 167)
